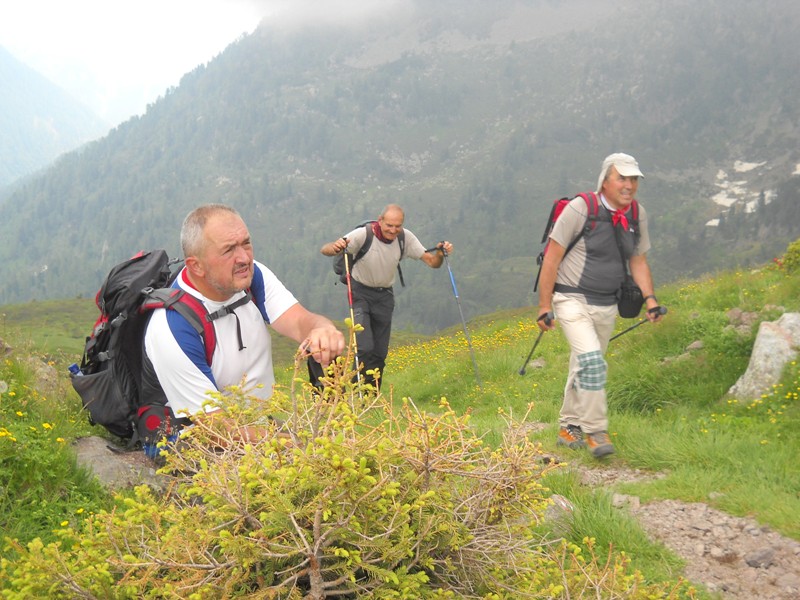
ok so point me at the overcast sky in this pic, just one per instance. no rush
(116, 57)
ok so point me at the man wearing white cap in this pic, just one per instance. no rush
(582, 271)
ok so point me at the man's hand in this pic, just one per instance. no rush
(324, 344)
(546, 320)
(655, 313)
(434, 257)
(317, 335)
(335, 247)
(339, 245)
(446, 246)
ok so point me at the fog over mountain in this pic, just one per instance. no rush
(472, 115)
(38, 120)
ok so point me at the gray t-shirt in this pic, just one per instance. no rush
(378, 267)
(594, 264)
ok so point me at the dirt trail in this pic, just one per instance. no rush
(735, 557)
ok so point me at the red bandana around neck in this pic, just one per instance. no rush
(376, 229)
(618, 216)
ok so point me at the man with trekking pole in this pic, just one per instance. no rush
(372, 276)
(579, 287)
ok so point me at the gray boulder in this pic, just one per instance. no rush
(776, 344)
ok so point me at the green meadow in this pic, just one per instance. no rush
(669, 409)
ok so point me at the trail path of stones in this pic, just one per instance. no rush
(732, 556)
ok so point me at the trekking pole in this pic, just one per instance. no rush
(352, 314)
(548, 318)
(463, 321)
(661, 310)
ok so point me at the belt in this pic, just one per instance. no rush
(595, 298)
(568, 289)
(370, 287)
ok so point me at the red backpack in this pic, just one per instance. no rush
(593, 208)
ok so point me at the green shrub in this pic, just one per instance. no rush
(352, 498)
(791, 260)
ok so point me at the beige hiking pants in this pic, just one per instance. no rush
(587, 329)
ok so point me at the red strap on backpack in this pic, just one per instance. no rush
(593, 210)
(199, 311)
(190, 308)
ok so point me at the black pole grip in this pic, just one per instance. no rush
(547, 317)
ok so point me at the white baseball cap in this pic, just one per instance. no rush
(626, 166)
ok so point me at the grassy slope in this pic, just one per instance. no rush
(668, 407)
(58, 329)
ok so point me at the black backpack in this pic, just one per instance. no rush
(338, 260)
(593, 207)
(109, 381)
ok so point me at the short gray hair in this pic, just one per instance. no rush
(392, 208)
(192, 242)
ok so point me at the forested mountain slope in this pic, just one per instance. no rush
(472, 115)
(38, 120)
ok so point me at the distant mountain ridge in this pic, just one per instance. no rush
(449, 110)
(38, 120)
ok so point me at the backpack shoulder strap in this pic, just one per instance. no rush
(592, 207)
(593, 210)
(190, 308)
(367, 242)
(634, 222)
(555, 209)
(401, 241)
(230, 309)
(258, 289)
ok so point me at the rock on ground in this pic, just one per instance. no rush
(116, 468)
(732, 556)
(775, 345)
(735, 557)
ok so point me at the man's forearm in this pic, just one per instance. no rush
(329, 249)
(640, 271)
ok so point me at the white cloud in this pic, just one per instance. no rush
(116, 57)
(350, 12)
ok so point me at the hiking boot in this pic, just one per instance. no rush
(570, 436)
(599, 444)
